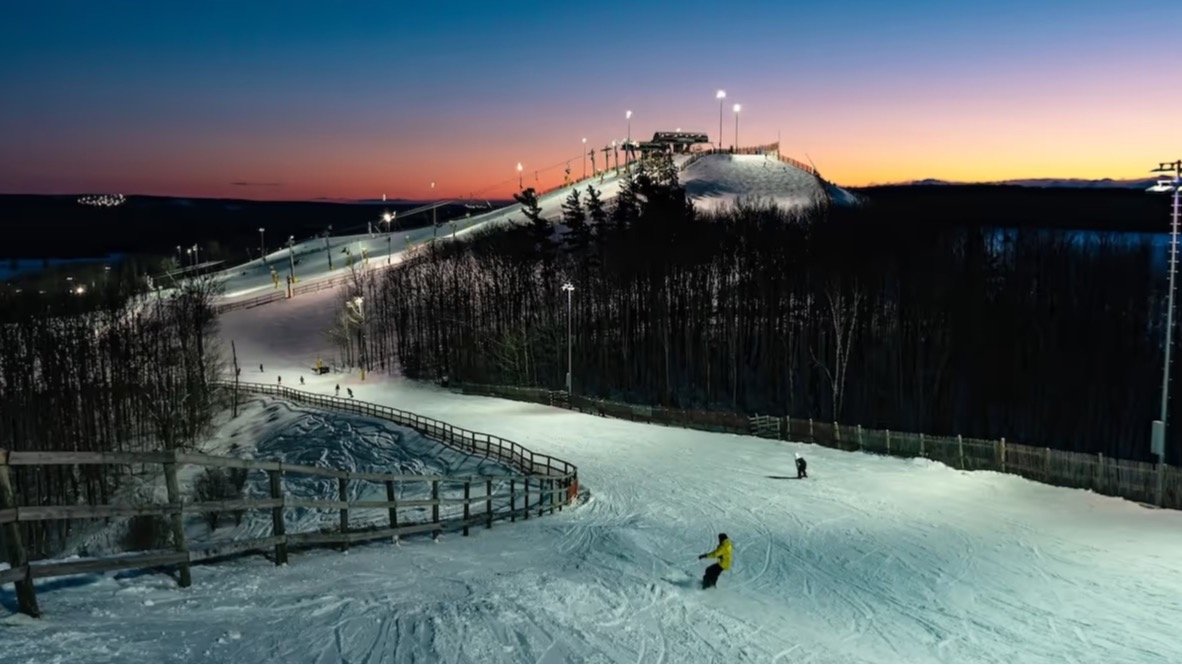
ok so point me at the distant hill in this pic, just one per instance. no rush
(1077, 183)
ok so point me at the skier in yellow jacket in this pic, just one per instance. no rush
(724, 553)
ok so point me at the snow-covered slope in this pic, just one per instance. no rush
(254, 278)
(712, 181)
(870, 559)
(718, 181)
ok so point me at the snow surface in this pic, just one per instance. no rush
(714, 182)
(870, 559)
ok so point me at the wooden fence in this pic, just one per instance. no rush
(1144, 482)
(550, 483)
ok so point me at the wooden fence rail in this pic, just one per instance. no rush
(545, 483)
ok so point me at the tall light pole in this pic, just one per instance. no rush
(519, 169)
(1169, 181)
(388, 217)
(584, 158)
(720, 95)
(628, 117)
(434, 222)
(738, 107)
(327, 249)
(291, 258)
(570, 289)
(356, 307)
(196, 254)
(262, 246)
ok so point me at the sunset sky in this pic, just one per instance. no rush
(295, 100)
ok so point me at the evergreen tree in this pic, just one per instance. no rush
(539, 226)
(627, 208)
(578, 234)
(596, 211)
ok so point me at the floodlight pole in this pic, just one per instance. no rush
(1171, 181)
(570, 289)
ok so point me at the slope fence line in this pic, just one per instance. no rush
(1144, 482)
(414, 503)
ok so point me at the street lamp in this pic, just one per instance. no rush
(434, 222)
(628, 117)
(196, 254)
(720, 95)
(519, 185)
(262, 245)
(291, 257)
(584, 158)
(388, 217)
(738, 107)
(1169, 181)
(570, 289)
(327, 249)
(355, 305)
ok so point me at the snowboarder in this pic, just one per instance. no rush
(260, 367)
(338, 390)
(724, 552)
(301, 379)
(279, 380)
(801, 467)
(350, 392)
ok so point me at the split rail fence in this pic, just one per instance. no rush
(539, 484)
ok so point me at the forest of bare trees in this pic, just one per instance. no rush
(860, 315)
(106, 369)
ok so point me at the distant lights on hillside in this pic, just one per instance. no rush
(102, 200)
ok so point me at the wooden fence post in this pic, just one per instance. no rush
(811, 439)
(525, 504)
(467, 497)
(435, 506)
(922, 453)
(1002, 453)
(177, 520)
(26, 596)
(392, 497)
(888, 441)
(541, 497)
(837, 436)
(861, 443)
(1161, 481)
(1098, 481)
(512, 500)
(1046, 465)
(343, 492)
(553, 495)
(960, 450)
(278, 528)
(488, 502)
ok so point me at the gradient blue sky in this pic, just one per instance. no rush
(352, 100)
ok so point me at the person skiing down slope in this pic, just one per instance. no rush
(801, 467)
(724, 553)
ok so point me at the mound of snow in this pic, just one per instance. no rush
(720, 181)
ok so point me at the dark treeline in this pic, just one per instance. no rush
(109, 369)
(864, 316)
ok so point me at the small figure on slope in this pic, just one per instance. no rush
(801, 467)
(301, 379)
(260, 367)
(724, 552)
(338, 390)
(350, 392)
(279, 380)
